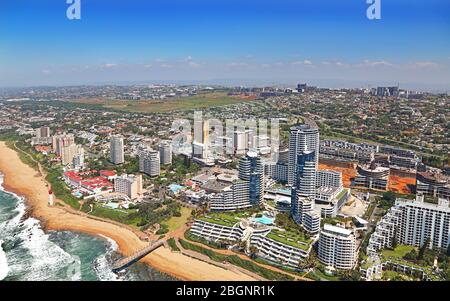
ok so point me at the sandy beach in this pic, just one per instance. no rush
(25, 181)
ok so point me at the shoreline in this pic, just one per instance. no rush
(23, 181)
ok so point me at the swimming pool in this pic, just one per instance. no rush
(263, 220)
(77, 194)
(175, 188)
(112, 205)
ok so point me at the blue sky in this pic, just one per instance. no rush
(330, 42)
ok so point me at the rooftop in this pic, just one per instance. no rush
(336, 230)
(292, 238)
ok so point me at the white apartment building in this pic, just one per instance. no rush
(329, 178)
(246, 191)
(231, 198)
(61, 141)
(215, 231)
(149, 162)
(240, 142)
(130, 185)
(116, 149)
(78, 159)
(302, 138)
(278, 252)
(69, 152)
(413, 222)
(165, 152)
(337, 247)
(42, 132)
(306, 215)
(255, 235)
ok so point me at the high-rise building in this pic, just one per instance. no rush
(305, 174)
(149, 162)
(329, 178)
(413, 223)
(43, 132)
(65, 147)
(201, 142)
(116, 149)
(78, 158)
(304, 137)
(201, 129)
(199, 150)
(130, 185)
(165, 152)
(245, 192)
(42, 136)
(61, 141)
(251, 170)
(304, 185)
(303, 212)
(239, 142)
(68, 153)
(337, 247)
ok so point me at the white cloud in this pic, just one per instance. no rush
(369, 63)
(109, 65)
(340, 64)
(194, 64)
(302, 63)
(424, 64)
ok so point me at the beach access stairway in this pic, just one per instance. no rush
(128, 261)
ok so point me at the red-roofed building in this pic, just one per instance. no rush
(91, 185)
(72, 178)
(109, 174)
(43, 149)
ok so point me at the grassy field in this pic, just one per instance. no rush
(203, 100)
(176, 222)
(399, 251)
(120, 216)
(173, 245)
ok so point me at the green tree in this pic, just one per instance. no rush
(423, 249)
(411, 256)
(351, 275)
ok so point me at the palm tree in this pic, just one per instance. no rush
(309, 263)
(351, 275)
(253, 251)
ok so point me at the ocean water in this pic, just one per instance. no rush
(27, 253)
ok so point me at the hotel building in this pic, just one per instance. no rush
(337, 247)
(130, 185)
